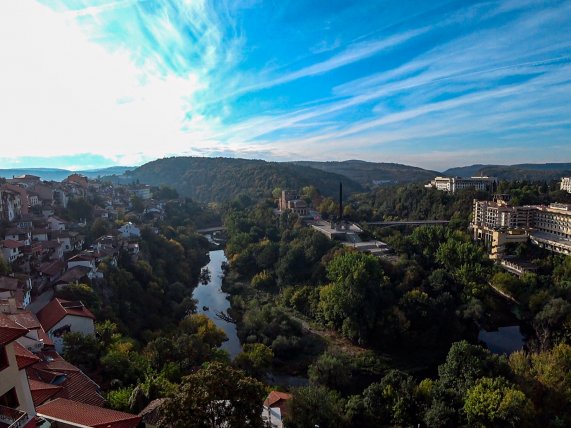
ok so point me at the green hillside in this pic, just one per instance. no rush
(370, 173)
(529, 171)
(221, 179)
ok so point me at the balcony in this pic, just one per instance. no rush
(12, 418)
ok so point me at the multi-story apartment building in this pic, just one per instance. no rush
(16, 404)
(497, 224)
(452, 184)
(566, 184)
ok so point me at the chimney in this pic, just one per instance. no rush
(12, 305)
(340, 201)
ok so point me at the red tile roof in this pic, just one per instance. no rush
(24, 358)
(57, 309)
(276, 396)
(8, 243)
(42, 391)
(10, 330)
(83, 414)
(26, 319)
(75, 384)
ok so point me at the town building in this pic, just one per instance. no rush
(129, 230)
(452, 184)
(290, 200)
(497, 224)
(566, 184)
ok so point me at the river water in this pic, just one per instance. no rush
(504, 340)
(212, 300)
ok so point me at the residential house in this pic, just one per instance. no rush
(24, 198)
(275, 409)
(61, 316)
(11, 206)
(11, 250)
(129, 230)
(52, 270)
(21, 235)
(16, 405)
(56, 223)
(88, 259)
(18, 287)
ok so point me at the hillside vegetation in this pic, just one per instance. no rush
(528, 171)
(370, 173)
(221, 179)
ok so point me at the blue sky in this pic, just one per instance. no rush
(428, 83)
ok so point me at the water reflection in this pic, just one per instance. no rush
(212, 300)
(505, 340)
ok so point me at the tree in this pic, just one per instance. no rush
(466, 363)
(392, 401)
(82, 349)
(351, 303)
(331, 371)
(216, 395)
(255, 359)
(494, 402)
(315, 406)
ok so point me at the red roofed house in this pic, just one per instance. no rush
(61, 316)
(66, 413)
(16, 403)
(275, 408)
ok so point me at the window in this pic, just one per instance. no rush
(3, 358)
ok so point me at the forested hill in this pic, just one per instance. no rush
(369, 173)
(221, 179)
(525, 171)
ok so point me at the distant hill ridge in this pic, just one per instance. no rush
(58, 174)
(221, 179)
(524, 171)
(370, 173)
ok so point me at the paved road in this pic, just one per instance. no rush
(40, 301)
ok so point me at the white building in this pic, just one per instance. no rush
(452, 184)
(498, 224)
(129, 230)
(566, 184)
(62, 316)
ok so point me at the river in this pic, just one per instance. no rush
(212, 300)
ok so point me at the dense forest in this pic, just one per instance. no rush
(221, 179)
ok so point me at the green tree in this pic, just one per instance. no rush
(494, 402)
(82, 350)
(255, 359)
(315, 405)
(331, 371)
(216, 395)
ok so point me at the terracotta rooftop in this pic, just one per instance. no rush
(74, 274)
(57, 309)
(25, 319)
(276, 396)
(75, 385)
(52, 268)
(85, 415)
(10, 330)
(8, 243)
(42, 391)
(24, 358)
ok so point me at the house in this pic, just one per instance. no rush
(129, 230)
(24, 198)
(52, 370)
(56, 223)
(20, 235)
(19, 287)
(16, 405)
(65, 413)
(11, 250)
(36, 339)
(151, 414)
(75, 275)
(10, 204)
(275, 408)
(61, 316)
(87, 259)
(52, 270)
(54, 248)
